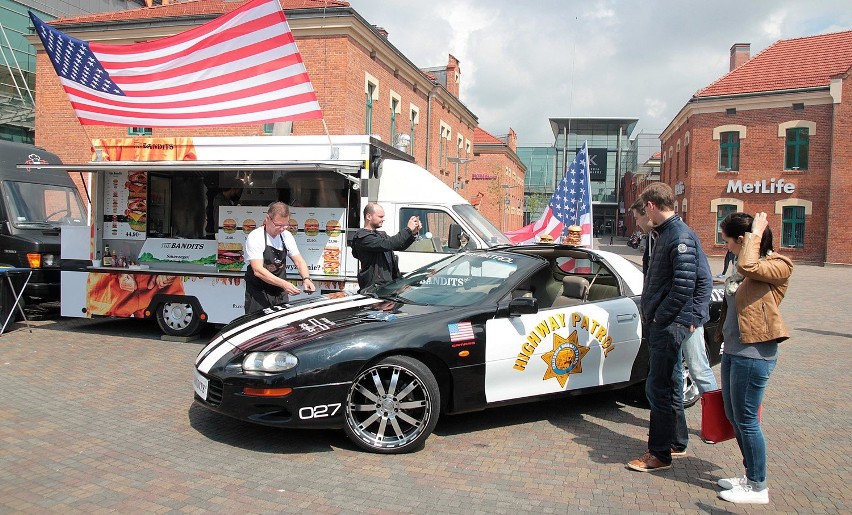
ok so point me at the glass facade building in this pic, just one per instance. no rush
(608, 143)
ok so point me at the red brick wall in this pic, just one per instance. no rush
(761, 158)
(492, 206)
(839, 234)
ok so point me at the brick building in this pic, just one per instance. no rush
(498, 172)
(771, 135)
(364, 85)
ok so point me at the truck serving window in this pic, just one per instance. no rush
(43, 204)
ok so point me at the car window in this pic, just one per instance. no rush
(461, 280)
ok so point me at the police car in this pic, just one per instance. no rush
(474, 330)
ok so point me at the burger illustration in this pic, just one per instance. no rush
(229, 225)
(249, 225)
(229, 256)
(574, 236)
(293, 226)
(331, 260)
(332, 228)
(137, 198)
(312, 227)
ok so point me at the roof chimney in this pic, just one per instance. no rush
(740, 53)
(453, 75)
(382, 31)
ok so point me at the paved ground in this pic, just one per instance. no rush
(97, 416)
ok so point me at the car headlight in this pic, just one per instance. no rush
(269, 361)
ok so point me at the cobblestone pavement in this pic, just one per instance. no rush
(97, 416)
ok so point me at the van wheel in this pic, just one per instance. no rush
(179, 318)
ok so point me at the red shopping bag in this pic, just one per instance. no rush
(715, 426)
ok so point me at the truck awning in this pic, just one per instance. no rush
(343, 167)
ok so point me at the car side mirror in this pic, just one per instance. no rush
(523, 306)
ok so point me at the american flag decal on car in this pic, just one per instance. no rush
(460, 332)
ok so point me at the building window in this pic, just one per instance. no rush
(140, 131)
(394, 105)
(796, 149)
(793, 227)
(371, 89)
(268, 128)
(411, 134)
(721, 212)
(729, 151)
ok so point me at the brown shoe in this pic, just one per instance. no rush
(678, 453)
(648, 463)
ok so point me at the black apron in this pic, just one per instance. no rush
(259, 293)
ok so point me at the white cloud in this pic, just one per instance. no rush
(525, 62)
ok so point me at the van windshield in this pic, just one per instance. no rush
(481, 226)
(31, 204)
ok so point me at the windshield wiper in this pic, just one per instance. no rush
(395, 298)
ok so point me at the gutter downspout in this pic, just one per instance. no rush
(429, 124)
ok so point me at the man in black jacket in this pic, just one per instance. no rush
(668, 310)
(374, 248)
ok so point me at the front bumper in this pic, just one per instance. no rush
(316, 406)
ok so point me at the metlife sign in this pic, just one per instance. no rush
(762, 186)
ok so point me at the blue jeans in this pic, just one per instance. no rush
(664, 388)
(743, 383)
(695, 356)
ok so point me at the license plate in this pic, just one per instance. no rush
(200, 384)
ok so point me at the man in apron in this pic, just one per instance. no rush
(266, 250)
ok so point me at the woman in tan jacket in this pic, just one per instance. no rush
(751, 327)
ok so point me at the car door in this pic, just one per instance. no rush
(559, 349)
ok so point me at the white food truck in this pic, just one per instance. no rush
(171, 258)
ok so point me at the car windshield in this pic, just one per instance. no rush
(33, 204)
(460, 280)
(481, 226)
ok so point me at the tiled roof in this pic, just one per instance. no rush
(481, 137)
(788, 64)
(188, 8)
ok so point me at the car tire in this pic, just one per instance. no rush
(392, 406)
(179, 318)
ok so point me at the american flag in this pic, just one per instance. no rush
(571, 204)
(460, 332)
(241, 68)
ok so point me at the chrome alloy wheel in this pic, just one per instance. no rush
(392, 407)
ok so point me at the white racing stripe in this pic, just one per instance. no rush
(226, 346)
(224, 336)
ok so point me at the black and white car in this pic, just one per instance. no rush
(474, 330)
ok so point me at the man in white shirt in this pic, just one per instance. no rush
(266, 250)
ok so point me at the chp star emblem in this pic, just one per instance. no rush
(565, 359)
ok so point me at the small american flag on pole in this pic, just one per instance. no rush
(460, 332)
(240, 68)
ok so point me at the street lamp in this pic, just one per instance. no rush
(458, 161)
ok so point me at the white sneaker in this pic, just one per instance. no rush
(744, 494)
(731, 482)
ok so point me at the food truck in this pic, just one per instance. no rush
(150, 252)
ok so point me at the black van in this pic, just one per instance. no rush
(34, 205)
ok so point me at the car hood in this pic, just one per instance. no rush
(288, 326)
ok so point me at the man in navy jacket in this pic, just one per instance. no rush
(670, 311)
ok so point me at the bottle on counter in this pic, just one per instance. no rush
(107, 260)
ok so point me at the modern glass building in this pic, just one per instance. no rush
(608, 143)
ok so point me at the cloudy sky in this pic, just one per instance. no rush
(523, 62)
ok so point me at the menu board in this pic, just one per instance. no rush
(319, 235)
(125, 205)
